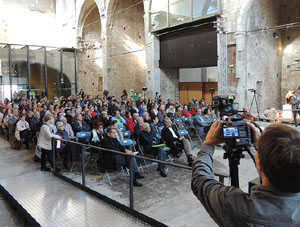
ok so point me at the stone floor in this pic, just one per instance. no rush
(168, 200)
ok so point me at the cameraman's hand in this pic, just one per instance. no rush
(214, 135)
(255, 131)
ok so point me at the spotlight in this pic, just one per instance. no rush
(275, 35)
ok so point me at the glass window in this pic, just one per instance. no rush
(4, 73)
(158, 14)
(19, 69)
(179, 11)
(204, 8)
(37, 71)
(165, 13)
(53, 72)
(69, 73)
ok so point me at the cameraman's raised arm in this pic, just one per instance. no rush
(211, 193)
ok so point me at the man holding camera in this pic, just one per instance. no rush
(275, 202)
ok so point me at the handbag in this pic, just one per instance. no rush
(37, 151)
(17, 135)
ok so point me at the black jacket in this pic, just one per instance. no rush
(146, 140)
(109, 158)
(80, 128)
(168, 137)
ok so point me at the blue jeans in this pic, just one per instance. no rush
(161, 155)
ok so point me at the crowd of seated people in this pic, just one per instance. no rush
(26, 122)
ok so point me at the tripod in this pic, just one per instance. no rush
(233, 157)
(254, 99)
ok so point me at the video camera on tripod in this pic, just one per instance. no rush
(235, 130)
(237, 134)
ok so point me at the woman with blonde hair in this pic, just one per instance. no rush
(45, 143)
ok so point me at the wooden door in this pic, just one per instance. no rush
(183, 93)
(206, 91)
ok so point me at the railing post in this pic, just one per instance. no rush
(131, 184)
(53, 154)
(82, 165)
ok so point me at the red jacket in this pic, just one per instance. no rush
(186, 113)
(130, 124)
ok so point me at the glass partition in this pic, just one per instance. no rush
(204, 8)
(69, 72)
(167, 13)
(179, 11)
(4, 73)
(53, 73)
(20, 79)
(158, 14)
(37, 71)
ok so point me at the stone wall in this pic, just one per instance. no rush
(90, 58)
(125, 50)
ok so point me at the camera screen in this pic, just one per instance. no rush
(231, 132)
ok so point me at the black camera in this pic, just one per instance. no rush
(225, 105)
(235, 131)
(237, 134)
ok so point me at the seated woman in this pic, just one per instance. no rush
(186, 111)
(121, 121)
(64, 147)
(119, 135)
(24, 129)
(96, 137)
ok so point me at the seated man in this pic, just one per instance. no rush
(275, 202)
(138, 127)
(149, 141)
(110, 142)
(201, 123)
(176, 142)
(80, 125)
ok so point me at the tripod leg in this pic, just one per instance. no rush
(257, 106)
(251, 104)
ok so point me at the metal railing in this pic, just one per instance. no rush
(130, 156)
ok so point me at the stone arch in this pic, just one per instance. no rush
(126, 58)
(90, 48)
(87, 7)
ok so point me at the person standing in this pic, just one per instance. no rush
(295, 101)
(45, 143)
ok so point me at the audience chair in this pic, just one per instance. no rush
(184, 132)
(126, 134)
(83, 137)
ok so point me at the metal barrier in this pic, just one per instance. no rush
(131, 156)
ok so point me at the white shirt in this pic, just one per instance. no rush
(22, 125)
(173, 133)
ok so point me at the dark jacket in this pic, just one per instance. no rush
(154, 128)
(168, 137)
(146, 140)
(230, 206)
(109, 158)
(137, 130)
(34, 124)
(80, 128)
